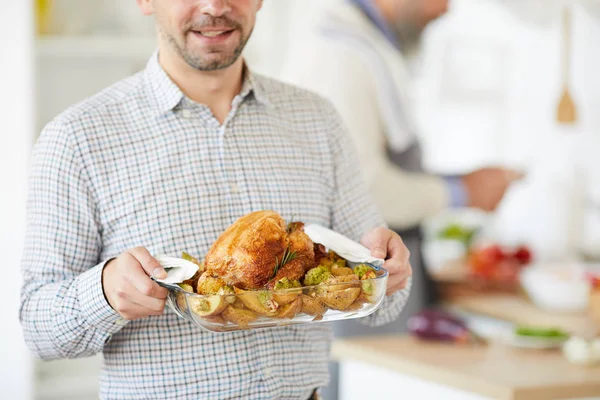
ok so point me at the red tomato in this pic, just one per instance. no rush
(523, 255)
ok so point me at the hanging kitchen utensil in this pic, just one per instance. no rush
(566, 112)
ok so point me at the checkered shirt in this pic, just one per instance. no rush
(139, 164)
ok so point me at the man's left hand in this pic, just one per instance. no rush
(387, 244)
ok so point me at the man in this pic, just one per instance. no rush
(163, 162)
(353, 54)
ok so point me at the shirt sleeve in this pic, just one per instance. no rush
(458, 192)
(63, 313)
(354, 212)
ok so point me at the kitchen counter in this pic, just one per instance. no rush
(519, 310)
(404, 367)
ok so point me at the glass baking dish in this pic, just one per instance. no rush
(242, 310)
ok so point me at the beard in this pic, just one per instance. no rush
(410, 36)
(209, 61)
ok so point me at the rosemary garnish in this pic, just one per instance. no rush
(286, 258)
(291, 225)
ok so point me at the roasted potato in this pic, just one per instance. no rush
(259, 301)
(286, 297)
(239, 316)
(180, 297)
(339, 299)
(208, 284)
(339, 292)
(208, 305)
(285, 291)
(312, 306)
(290, 310)
(339, 271)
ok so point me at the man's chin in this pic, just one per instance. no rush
(211, 62)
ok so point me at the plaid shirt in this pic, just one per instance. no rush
(139, 164)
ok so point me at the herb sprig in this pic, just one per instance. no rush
(287, 257)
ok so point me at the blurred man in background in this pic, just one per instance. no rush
(355, 54)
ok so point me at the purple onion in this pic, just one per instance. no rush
(440, 326)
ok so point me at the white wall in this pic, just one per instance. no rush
(487, 94)
(491, 81)
(16, 122)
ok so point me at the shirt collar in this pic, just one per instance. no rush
(375, 15)
(167, 95)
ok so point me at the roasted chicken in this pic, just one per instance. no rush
(258, 250)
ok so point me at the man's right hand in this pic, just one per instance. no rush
(486, 187)
(128, 287)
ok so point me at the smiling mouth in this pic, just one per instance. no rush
(213, 33)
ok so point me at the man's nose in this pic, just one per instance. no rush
(215, 8)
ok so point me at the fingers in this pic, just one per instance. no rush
(149, 264)
(398, 265)
(398, 257)
(397, 279)
(129, 295)
(376, 240)
(393, 289)
(512, 175)
(137, 277)
(400, 276)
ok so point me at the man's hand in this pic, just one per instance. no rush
(128, 287)
(386, 244)
(486, 187)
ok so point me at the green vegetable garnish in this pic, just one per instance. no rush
(541, 332)
(362, 269)
(264, 297)
(316, 275)
(285, 283)
(458, 232)
(368, 287)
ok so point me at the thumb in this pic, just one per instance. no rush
(378, 251)
(150, 264)
(376, 241)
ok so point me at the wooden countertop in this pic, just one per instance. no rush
(519, 310)
(494, 371)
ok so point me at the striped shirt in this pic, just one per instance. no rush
(139, 164)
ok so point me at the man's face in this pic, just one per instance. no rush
(208, 34)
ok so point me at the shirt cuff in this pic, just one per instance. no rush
(94, 306)
(458, 192)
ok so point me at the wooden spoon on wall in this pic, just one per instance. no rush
(566, 112)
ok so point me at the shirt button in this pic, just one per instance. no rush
(187, 114)
(121, 322)
(267, 372)
(235, 188)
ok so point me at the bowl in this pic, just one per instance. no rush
(254, 309)
(556, 288)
